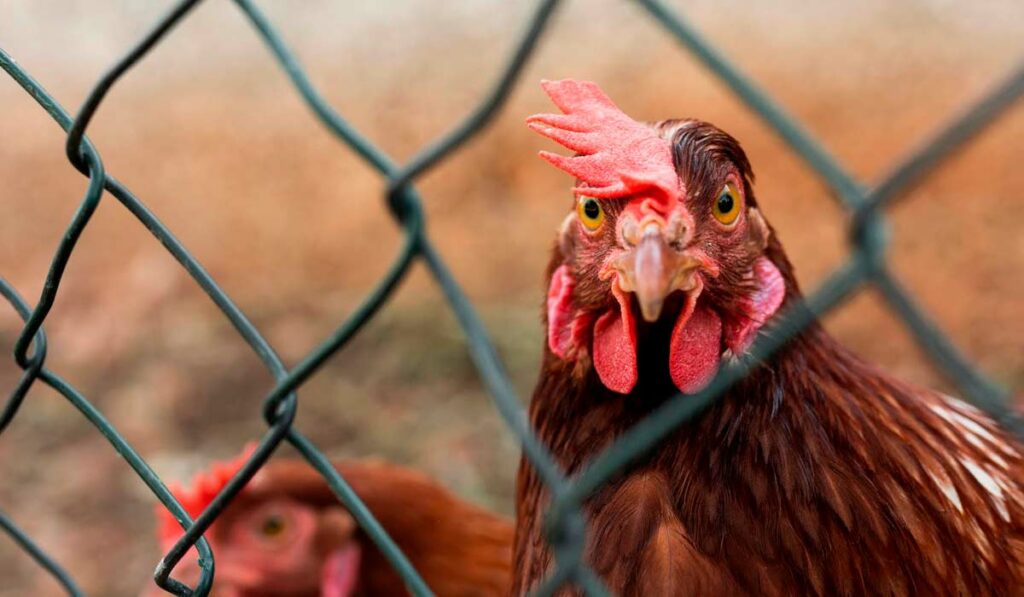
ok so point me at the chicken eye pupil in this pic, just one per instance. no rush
(725, 203)
(591, 209)
(272, 526)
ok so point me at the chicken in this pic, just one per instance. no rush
(286, 534)
(817, 474)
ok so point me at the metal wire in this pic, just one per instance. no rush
(565, 522)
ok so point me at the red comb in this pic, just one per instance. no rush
(205, 486)
(618, 156)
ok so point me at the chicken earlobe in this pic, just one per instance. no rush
(561, 313)
(757, 308)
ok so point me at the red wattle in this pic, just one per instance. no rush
(695, 349)
(615, 350)
(341, 572)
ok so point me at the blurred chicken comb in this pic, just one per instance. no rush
(618, 156)
(205, 486)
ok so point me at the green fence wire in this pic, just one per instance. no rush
(565, 524)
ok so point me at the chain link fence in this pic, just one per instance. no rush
(565, 523)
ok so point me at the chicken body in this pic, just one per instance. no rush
(286, 535)
(817, 474)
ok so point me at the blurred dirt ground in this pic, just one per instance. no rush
(209, 133)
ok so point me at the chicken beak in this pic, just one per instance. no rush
(654, 269)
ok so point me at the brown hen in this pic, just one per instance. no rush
(286, 534)
(817, 474)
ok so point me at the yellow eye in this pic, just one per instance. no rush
(727, 206)
(590, 212)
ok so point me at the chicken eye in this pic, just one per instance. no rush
(272, 526)
(727, 207)
(590, 213)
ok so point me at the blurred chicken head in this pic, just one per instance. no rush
(266, 543)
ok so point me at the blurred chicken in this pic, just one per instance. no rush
(286, 534)
(817, 474)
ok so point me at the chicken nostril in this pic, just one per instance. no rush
(679, 241)
(630, 232)
(678, 234)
